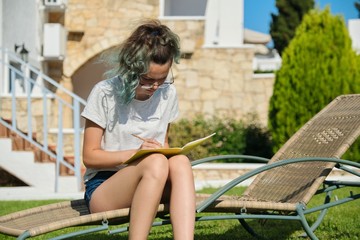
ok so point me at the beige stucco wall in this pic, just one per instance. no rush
(214, 81)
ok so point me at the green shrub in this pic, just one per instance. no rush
(317, 66)
(258, 141)
(232, 137)
(184, 131)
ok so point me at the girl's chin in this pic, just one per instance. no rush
(149, 92)
(145, 95)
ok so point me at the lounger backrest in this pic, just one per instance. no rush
(327, 134)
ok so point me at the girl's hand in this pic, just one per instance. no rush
(150, 144)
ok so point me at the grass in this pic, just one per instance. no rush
(341, 222)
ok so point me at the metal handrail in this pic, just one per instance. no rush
(21, 80)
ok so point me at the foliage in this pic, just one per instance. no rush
(257, 141)
(283, 25)
(185, 130)
(232, 137)
(357, 6)
(318, 65)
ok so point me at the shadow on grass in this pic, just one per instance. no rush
(219, 230)
(274, 229)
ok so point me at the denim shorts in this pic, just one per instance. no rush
(94, 182)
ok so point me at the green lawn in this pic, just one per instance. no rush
(341, 222)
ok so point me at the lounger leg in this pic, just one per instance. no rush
(25, 235)
(300, 210)
(249, 229)
(321, 215)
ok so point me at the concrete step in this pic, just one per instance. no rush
(5, 146)
(40, 177)
(32, 193)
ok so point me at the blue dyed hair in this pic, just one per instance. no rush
(150, 42)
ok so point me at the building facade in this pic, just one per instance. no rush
(214, 78)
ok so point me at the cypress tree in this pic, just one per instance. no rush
(318, 65)
(283, 25)
(357, 6)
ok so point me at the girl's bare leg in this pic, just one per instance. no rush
(182, 197)
(139, 185)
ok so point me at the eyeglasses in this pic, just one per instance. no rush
(149, 83)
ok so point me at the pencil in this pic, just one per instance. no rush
(143, 139)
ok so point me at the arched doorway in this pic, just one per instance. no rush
(84, 79)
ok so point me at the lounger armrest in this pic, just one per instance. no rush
(267, 167)
(222, 157)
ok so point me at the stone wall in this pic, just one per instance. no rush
(220, 82)
(211, 81)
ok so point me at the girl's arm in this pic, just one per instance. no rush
(94, 156)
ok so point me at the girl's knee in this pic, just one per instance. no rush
(179, 163)
(156, 165)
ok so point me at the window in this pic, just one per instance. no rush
(183, 8)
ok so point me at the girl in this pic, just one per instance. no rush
(139, 100)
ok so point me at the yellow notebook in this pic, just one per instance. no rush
(169, 151)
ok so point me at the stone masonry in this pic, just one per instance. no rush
(211, 81)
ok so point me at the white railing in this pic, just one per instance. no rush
(21, 81)
(266, 64)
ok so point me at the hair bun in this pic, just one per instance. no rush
(155, 33)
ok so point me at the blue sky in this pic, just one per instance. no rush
(257, 14)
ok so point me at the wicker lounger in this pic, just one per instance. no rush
(281, 189)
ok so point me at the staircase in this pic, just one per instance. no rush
(19, 144)
(40, 132)
(40, 177)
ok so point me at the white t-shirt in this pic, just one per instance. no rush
(148, 119)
